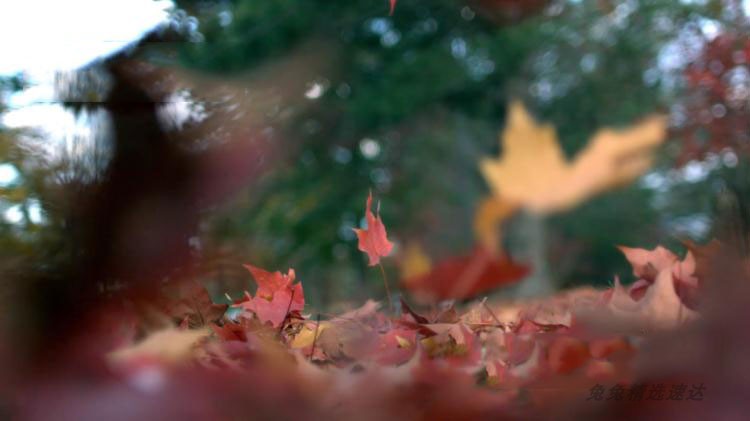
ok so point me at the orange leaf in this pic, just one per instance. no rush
(567, 354)
(488, 218)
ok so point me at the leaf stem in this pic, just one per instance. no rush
(286, 315)
(492, 313)
(315, 337)
(387, 289)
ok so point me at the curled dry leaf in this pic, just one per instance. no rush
(648, 263)
(347, 340)
(660, 308)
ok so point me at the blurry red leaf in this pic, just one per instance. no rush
(454, 343)
(230, 332)
(701, 257)
(600, 370)
(602, 348)
(466, 276)
(519, 347)
(373, 240)
(397, 346)
(710, 86)
(567, 354)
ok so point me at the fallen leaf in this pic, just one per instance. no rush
(704, 256)
(466, 276)
(454, 343)
(566, 354)
(648, 263)
(167, 346)
(230, 331)
(189, 302)
(348, 340)
(603, 348)
(309, 334)
(275, 297)
(660, 307)
(396, 347)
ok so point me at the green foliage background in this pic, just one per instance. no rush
(429, 85)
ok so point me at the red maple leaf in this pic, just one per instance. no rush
(373, 240)
(275, 297)
(466, 276)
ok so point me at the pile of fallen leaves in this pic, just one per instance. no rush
(265, 357)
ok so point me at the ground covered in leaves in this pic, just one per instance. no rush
(644, 349)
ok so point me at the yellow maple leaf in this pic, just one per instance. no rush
(534, 173)
(415, 262)
(489, 216)
(310, 333)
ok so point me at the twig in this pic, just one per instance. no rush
(387, 289)
(315, 337)
(492, 313)
(286, 315)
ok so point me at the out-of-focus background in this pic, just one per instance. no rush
(284, 114)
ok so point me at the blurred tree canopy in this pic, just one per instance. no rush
(415, 99)
(22, 187)
(408, 105)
